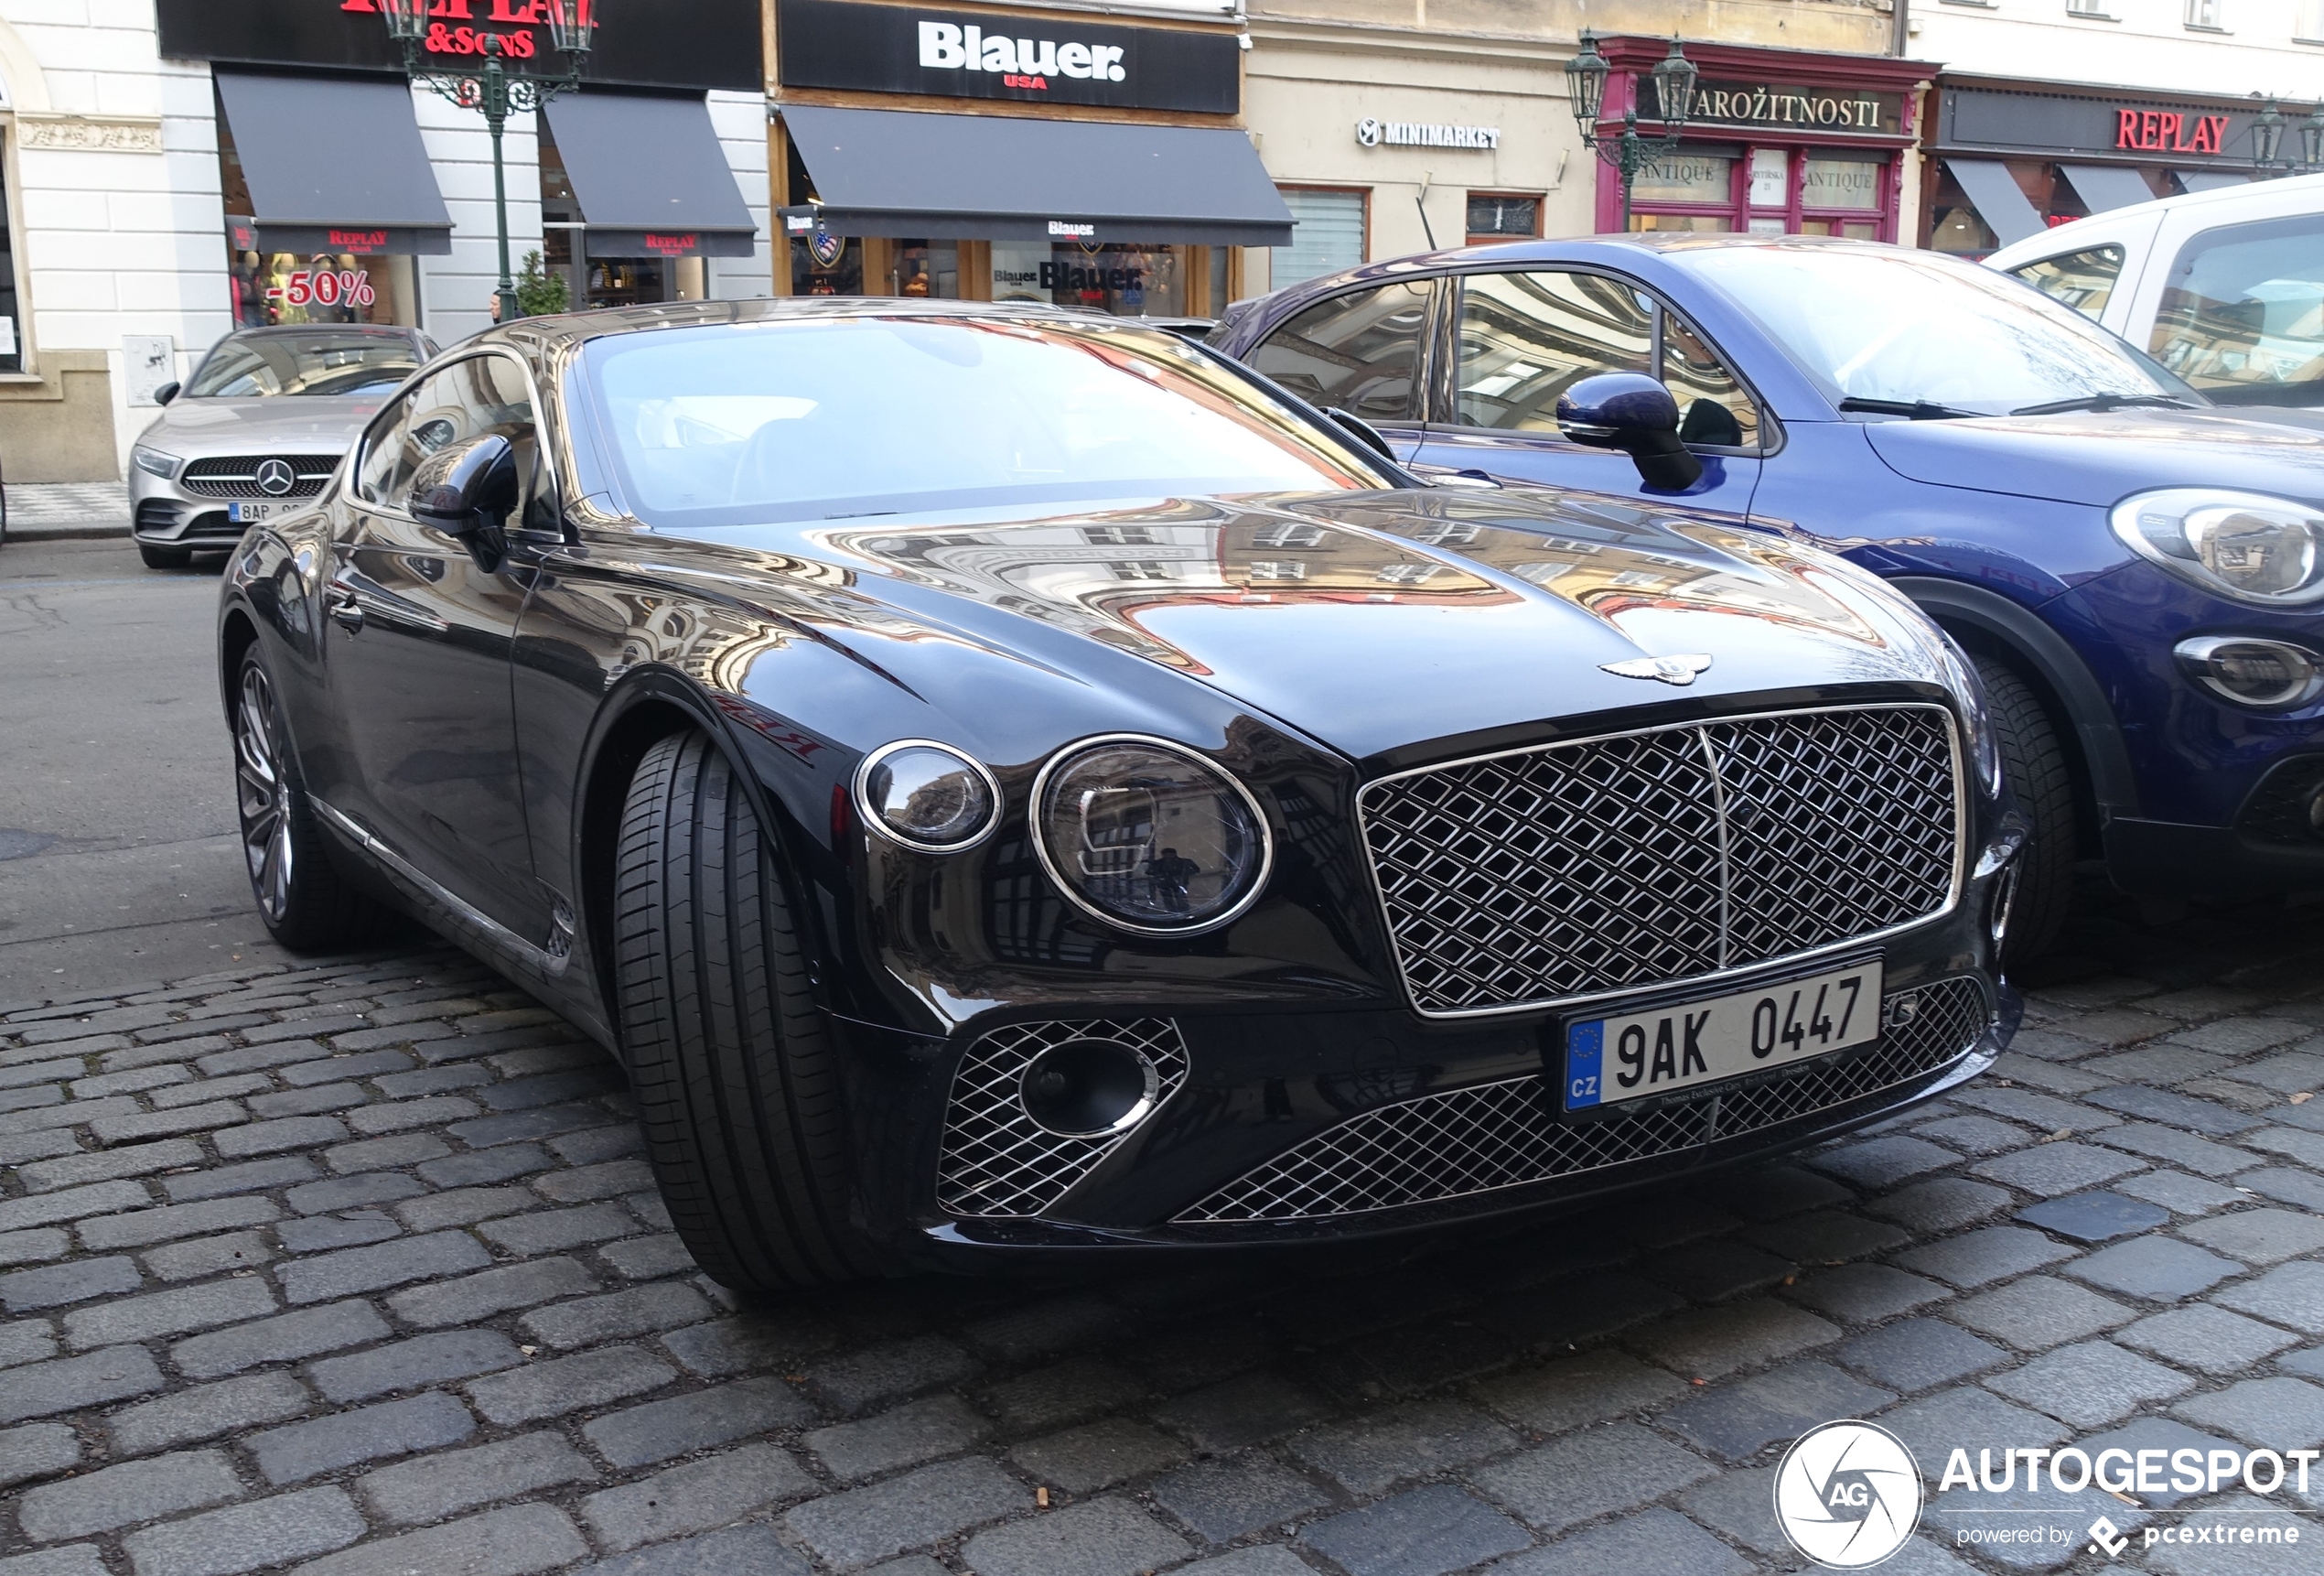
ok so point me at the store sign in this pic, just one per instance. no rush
(2168, 131)
(1372, 133)
(1686, 178)
(693, 44)
(1784, 105)
(852, 46)
(2058, 125)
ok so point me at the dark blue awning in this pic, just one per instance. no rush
(334, 163)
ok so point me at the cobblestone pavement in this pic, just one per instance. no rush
(357, 1270)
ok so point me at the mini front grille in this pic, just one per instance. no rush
(1494, 1136)
(236, 475)
(1584, 868)
(998, 1163)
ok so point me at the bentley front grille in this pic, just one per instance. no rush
(237, 476)
(1492, 1136)
(1583, 868)
(997, 1162)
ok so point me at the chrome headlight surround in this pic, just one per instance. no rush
(2247, 546)
(155, 462)
(871, 791)
(1249, 884)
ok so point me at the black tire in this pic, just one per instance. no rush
(305, 904)
(732, 1065)
(2034, 765)
(165, 557)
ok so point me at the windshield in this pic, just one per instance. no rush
(822, 419)
(1916, 329)
(258, 366)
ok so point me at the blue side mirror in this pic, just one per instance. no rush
(1636, 415)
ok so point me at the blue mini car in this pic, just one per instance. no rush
(2138, 575)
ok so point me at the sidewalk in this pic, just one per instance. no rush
(53, 511)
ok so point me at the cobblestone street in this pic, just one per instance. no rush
(357, 1270)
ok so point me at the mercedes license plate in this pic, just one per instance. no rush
(1609, 1060)
(250, 513)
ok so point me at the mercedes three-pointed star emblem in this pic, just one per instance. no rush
(1678, 670)
(275, 477)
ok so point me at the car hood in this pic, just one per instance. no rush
(1373, 621)
(2101, 458)
(302, 423)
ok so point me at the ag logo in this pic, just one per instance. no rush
(1368, 131)
(1847, 1495)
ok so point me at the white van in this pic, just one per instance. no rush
(2224, 287)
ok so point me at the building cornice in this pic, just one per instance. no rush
(88, 134)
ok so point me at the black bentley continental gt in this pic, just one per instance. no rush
(1015, 786)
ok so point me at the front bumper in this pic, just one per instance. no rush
(173, 511)
(2276, 845)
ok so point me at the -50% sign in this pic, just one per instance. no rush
(324, 287)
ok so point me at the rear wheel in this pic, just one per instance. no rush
(2034, 764)
(306, 906)
(730, 1062)
(165, 557)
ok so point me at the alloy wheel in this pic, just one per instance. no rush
(264, 792)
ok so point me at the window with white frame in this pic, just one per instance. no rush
(2204, 14)
(1328, 232)
(2089, 8)
(2308, 27)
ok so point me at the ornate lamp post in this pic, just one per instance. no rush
(496, 90)
(2312, 140)
(2267, 141)
(1628, 152)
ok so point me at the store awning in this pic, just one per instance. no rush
(2211, 179)
(2106, 186)
(649, 177)
(1998, 201)
(334, 163)
(1003, 178)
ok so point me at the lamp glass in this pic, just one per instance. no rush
(2312, 138)
(573, 25)
(1586, 76)
(406, 19)
(2267, 134)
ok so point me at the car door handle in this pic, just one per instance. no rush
(347, 615)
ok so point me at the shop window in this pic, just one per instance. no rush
(1525, 338)
(1497, 216)
(925, 269)
(2241, 316)
(1357, 352)
(1842, 197)
(1330, 233)
(2083, 280)
(1680, 191)
(1128, 281)
(271, 288)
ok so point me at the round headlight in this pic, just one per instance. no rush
(2246, 545)
(1149, 837)
(926, 796)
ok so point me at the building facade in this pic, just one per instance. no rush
(174, 172)
(2051, 110)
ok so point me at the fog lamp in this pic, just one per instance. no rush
(1089, 1089)
(2273, 674)
(926, 796)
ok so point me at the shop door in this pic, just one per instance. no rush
(1523, 339)
(1358, 352)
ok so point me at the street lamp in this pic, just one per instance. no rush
(1673, 77)
(496, 90)
(2267, 138)
(2312, 140)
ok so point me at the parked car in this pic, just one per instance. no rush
(2137, 575)
(2225, 287)
(1117, 809)
(257, 430)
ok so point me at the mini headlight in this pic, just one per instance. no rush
(153, 462)
(2276, 674)
(926, 796)
(2246, 545)
(1149, 837)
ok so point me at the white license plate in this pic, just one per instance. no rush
(1609, 1060)
(252, 513)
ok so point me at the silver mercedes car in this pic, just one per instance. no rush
(257, 430)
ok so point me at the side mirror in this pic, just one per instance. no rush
(1362, 431)
(465, 488)
(1634, 413)
(167, 393)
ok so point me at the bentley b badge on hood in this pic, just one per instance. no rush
(1679, 670)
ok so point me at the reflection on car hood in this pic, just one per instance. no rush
(299, 423)
(1376, 620)
(2101, 459)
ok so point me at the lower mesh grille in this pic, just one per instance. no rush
(2278, 811)
(998, 1163)
(1503, 1135)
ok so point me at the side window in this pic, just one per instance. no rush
(1713, 407)
(1525, 338)
(2083, 280)
(1358, 352)
(2241, 316)
(471, 398)
(376, 477)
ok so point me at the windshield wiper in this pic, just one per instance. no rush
(2104, 402)
(1917, 409)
